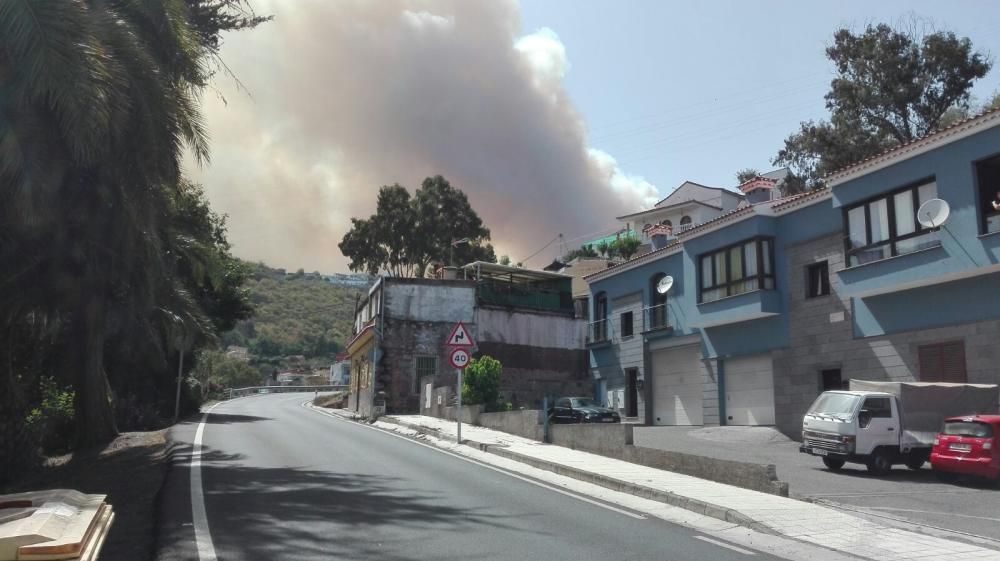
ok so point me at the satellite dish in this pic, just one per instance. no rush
(664, 285)
(933, 213)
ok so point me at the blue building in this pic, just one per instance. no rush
(777, 300)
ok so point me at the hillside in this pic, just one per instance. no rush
(296, 314)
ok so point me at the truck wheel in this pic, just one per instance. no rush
(833, 464)
(880, 463)
(915, 463)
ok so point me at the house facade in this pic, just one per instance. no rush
(523, 318)
(779, 299)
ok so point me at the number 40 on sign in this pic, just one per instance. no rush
(459, 358)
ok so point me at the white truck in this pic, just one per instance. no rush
(881, 424)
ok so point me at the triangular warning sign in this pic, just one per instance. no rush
(460, 337)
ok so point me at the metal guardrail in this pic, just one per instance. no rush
(243, 392)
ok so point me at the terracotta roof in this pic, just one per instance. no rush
(800, 198)
(905, 147)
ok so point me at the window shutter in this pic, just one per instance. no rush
(943, 362)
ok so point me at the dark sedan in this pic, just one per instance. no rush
(581, 410)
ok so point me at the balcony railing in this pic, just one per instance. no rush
(598, 331)
(655, 317)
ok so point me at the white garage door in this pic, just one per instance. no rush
(750, 391)
(677, 386)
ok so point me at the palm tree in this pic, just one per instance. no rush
(98, 100)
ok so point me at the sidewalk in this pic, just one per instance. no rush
(806, 522)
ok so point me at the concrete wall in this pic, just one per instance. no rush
(525, 423)
(418, 317)
(430, 300)
(533, 329)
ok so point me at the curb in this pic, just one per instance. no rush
(673, 499)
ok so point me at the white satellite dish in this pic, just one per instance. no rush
(933, 213)
(664, 285)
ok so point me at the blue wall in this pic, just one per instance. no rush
(962, 248)
(962, 251)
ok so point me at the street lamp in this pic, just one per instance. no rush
(454, 243)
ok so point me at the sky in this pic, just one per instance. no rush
(554, 116)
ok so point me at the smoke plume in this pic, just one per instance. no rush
(343, 97)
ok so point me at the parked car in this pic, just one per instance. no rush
(968, 446)
(881, 424)
(581, 410)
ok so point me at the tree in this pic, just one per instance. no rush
(504, 260)
(407, 234)
(746, 174)
(625, 247)
(583, 251)
(891, 87)
(604, 248)
(90, 147)
(481, 381)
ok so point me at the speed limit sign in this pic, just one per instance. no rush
(459, 358)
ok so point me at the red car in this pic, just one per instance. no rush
(968, 446)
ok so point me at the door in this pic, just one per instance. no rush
(749, 383)
(677, 386)
(632, 392)
(877, 424)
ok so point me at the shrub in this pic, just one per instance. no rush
(481, 382)
(52, 421)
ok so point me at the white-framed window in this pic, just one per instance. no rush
(887, 225)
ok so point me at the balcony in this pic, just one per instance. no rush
(599, 332)
(735, 309)
(655, 320)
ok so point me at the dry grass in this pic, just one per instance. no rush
(337, 400)
(130, 470)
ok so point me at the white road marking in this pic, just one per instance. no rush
(202, 535)
(725, 545)
(496, 469)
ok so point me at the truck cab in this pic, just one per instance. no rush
(860, 427)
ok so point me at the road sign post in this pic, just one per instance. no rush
(459, 341)
(459, 359)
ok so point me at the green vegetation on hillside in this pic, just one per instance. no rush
(295, 315)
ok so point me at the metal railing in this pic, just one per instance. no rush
(655, 317)
(599, 331)
(242, 392)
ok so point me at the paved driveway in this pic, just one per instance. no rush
(916, 496)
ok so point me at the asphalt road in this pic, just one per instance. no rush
(283, 482)
(969, 506)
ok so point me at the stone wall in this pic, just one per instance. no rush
(822, 338)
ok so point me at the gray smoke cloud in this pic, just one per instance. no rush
(343, 97)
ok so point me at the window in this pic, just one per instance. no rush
(626, 324)
(831, 380)
(942, 362)
(988, 176)
(817, 279)
(878, 407)
(599, 327)
(657, 312)
(741, 268)
(888, 226)
(667, 223)
(423, 366)
(685, 222)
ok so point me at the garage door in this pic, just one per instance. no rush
(677, 386)
(750, 391)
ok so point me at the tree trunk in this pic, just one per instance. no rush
(95, 420)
